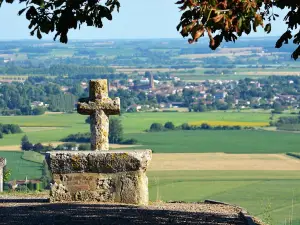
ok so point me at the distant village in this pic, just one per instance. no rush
(281, 93)
(169, 92)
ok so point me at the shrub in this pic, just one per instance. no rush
(155, 127)
(1, 135)
(79, 137)
(25, 144)
(84, 147)
(169, 126)
(185, 126)
(10, 129)
(131, 141)
(38, 111)
(38, 147)
(205, 126)
(67, 146)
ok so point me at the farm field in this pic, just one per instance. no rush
(45, 128)
(196, 177)
(262, 193)
(198, 74)
(138, 122)
(222, 161)
(207, 141)
(53, 127)
(21, 168)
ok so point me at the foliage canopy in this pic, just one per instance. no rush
(219, 19)
(60, 16)
(229, 19)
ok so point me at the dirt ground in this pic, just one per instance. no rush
(222, 161)
(26, 211)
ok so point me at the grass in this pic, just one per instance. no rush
(249, 189)
(230, 123)
(289, 127)
(54, 127)
(202, 141)
(21, 168)
(33, 157)
(137, 122)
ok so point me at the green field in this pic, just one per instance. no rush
(33, 156)
(137, 122)
(201, 141)
(21, 168)
(253, 190)
(61, 125)
(289, 127)
(54, 127)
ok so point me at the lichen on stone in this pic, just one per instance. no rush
(75, 160)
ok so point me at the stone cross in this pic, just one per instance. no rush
(99, 106)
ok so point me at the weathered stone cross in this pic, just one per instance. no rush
(99, 106)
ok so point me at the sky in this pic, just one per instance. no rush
(137, 19)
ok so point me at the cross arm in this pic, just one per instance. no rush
(109, 106)
(85, 107)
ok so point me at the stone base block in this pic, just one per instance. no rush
(102, 176)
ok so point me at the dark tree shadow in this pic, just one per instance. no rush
(105, 214)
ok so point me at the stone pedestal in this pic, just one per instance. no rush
(2, 165)
(102, 176)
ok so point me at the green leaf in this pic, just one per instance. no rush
(240, 23)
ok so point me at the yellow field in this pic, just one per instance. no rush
(222, 161)
(230, 123)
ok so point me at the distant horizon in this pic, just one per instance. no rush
(112, 39)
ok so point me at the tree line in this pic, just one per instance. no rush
(17, 98)
(9, 129)
(55, 70)
(289, 123)
(116, 134)
(169, 126)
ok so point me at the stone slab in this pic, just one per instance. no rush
(100, 176)
(65, 162)
(123, 187)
